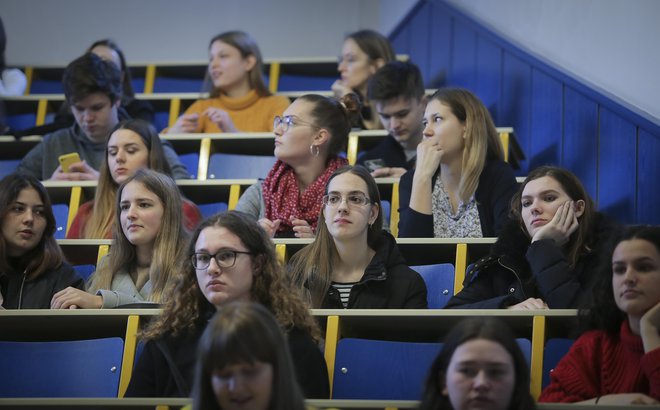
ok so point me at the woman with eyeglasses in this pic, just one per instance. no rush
(239, 101)
(231, 259)
(353, 263)
(308, 139)
(148, 241)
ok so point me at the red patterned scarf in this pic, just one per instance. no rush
(283, 198)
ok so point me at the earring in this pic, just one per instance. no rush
(314, 150)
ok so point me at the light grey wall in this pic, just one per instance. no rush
(613, 44)
(55, 32)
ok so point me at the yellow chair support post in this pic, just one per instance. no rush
(351, 151)
(130, 344)
(29, 74)
(41, 111)
(460, 267)
(331, 340)
(204, 157)
(74, 203)
(150, 79)
(394, 210)
(504, 137)
(103, 250)
(274, 77)
(234, 195)
(280, 248)
(175, 108)
(538, 343)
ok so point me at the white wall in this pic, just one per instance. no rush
(613, 44)
(55, 32)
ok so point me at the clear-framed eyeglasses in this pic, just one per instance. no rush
(288, 121)
(225, 258)
(353, 199)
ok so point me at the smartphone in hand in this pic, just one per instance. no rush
(67, 160)
(374, 164)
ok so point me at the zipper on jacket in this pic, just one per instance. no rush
(20, 293)
(522, 289)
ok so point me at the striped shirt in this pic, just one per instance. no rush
(344, 290)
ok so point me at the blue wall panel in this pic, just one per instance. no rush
(648, 178)
(489, 72)
(546, 119)
(439, 47)
(514, 110)
(420, 26)
(463, 57)
(580, 144)
(617, 176)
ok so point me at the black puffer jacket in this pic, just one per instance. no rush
(388, 283)
(19, 292)
(517, 270)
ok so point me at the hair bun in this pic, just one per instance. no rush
(351, 104)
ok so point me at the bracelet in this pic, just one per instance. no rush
(597, 398)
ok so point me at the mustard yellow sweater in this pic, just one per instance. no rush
(250, 113)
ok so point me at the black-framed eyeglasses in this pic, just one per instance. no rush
(225, 258)
(288, 121)
(354, 199)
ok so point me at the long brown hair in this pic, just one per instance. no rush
(168, 246)
(581, 240)
(311, 267)
(247, 46)
(243, 332)
(46, 255)
(186, 304)
(100, 221)
(482, 142)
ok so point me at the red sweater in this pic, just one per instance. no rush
(599, 364)
(191, 217)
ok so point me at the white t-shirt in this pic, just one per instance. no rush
(12, 82)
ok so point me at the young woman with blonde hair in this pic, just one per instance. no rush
(148, 242)
(239, 101)
(460, 187)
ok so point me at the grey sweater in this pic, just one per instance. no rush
(252, 201)
(42, 160)
(124, 291)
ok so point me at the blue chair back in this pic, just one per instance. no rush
(178, 85)
(238, 166)
(61, 212)
(84, 271)
(79, 368)
(8, 166)
(21, 121)
(439, 279)
(212, 208)
(191, 162)
(553, 351)
(381, 370)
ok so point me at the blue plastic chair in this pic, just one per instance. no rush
(191, 162)
(381, 370)
(553, 352)
(212, 208)
(46, 87)
(439, 279)
(22, 121)
(84, 271)
(238, 166)
(8, 166)
(178, 85)
(386, 206)
(289, 82)
(79, 368)
(61, 212)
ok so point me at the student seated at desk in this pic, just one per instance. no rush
(230, 258)
(617, 362)
(460, 187)
(12, 80)
(133, 145)
(32, 267)
(243, 362)
(363, 52)
(130, 107)
(239, 100)
(547, 255)
(480, 366)
(148, 241)
(353, 263)
(309, 136)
